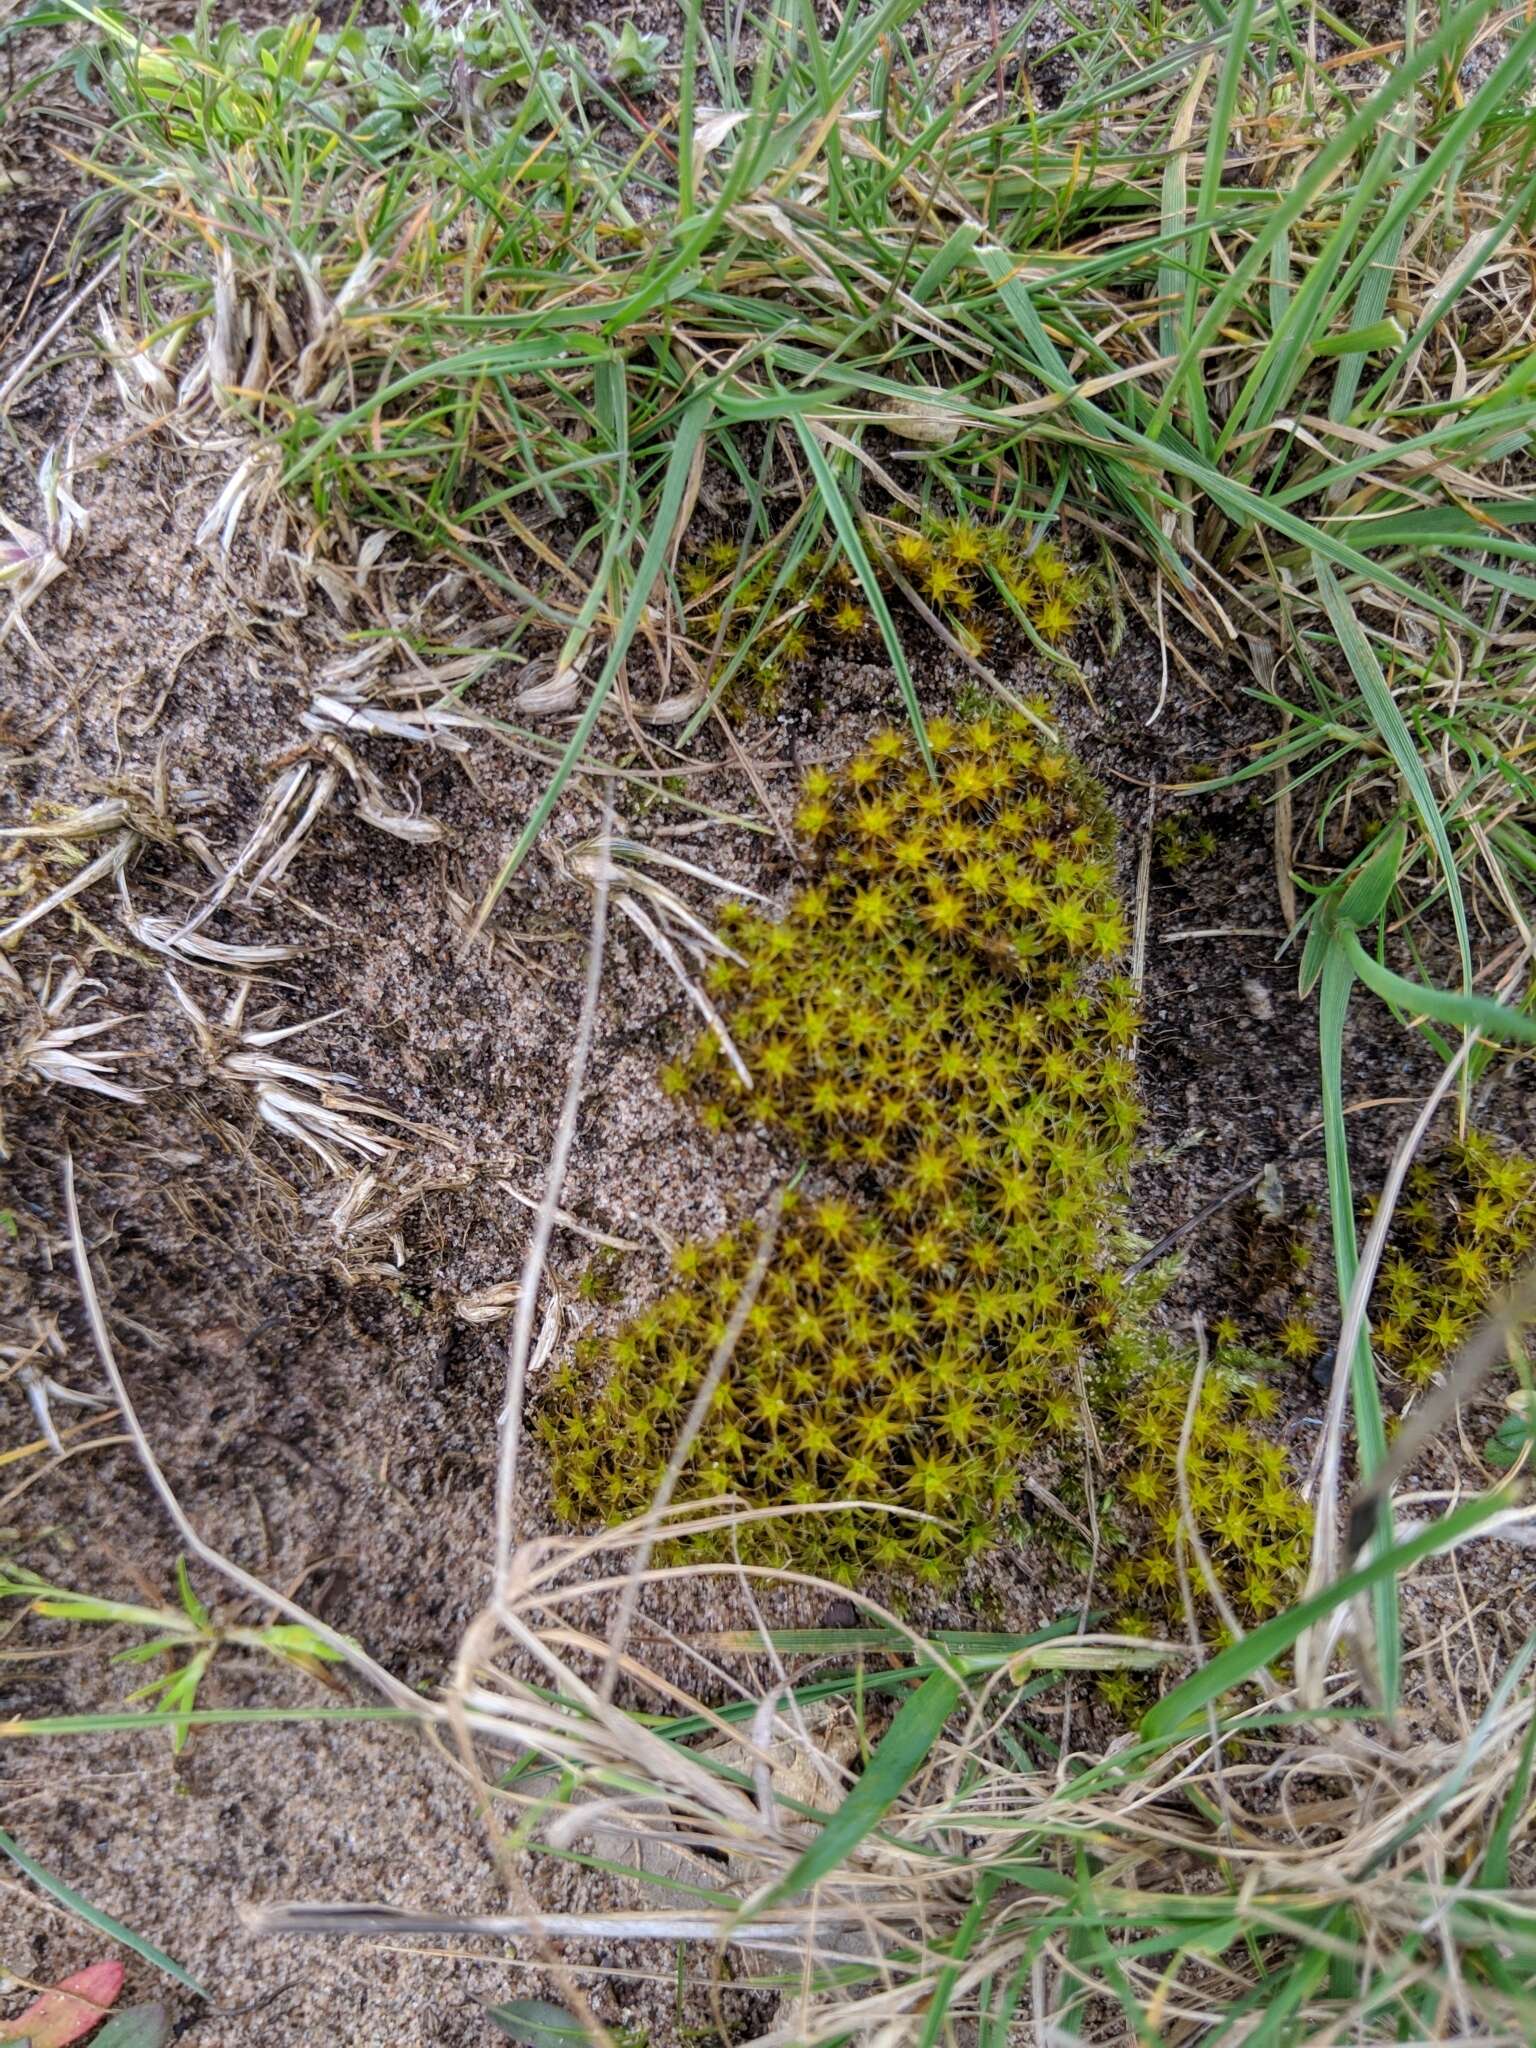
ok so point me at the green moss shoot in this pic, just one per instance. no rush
(938, 1024)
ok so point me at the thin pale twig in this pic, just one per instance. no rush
(520, 1345)
(719, 1363)
(357, 1658)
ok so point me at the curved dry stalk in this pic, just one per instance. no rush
(191, 947)
(42, 1391)
(786, 1937)
(282, 825)
(107, 815)
(538, 1246)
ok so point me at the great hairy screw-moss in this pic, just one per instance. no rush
(938, 1024)
(770, 619)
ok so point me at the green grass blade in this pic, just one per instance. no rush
(846, 527)
(1468, 1012)
(1216, 139)
(1365, 1395)
(1176, 1712)
(1280, 2000)
(95, 1917)
(1494, 1874)
(1453, 36)
(936, 2018)
(690, 432)
(126, 1722)
(1392, 727)
(905, 1747)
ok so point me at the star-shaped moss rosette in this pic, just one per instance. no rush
(766, 616)
(1464, 1229)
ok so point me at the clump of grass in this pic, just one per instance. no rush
(938, 1021)
(966, 1877)
(459, 287)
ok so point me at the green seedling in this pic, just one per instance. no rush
(186, 1635)
(632, 56)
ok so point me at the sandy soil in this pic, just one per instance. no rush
(337, 1435)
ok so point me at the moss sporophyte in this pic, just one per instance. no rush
(937, 1024)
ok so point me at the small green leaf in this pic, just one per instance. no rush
(16, 1584)
(293, 1639)
(1368, 891)
(1515, 1434)
(1314, 955)
(537, 2023)
(633, 57)
(189, 1599)
(1356, 900)
(141, 2026)
(61, 1605)
(143, 1653)
(1361, 341)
